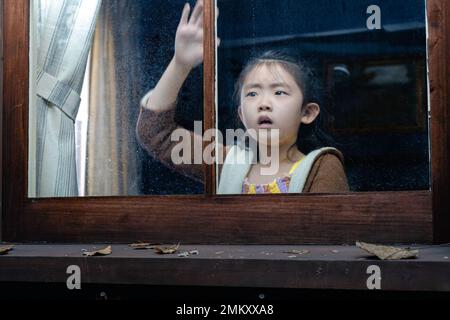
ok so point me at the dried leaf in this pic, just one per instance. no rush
(103, 252)
(5, 249)
(142, 246)
(300, 252)
(167, 250)
(387, 252)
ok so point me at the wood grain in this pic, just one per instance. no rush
(1, 112)
(15, 113)
(439, 73)
(209, 87)
(382, 217)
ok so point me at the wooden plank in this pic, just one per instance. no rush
(209, 86)
(234, 266)
(333, 219)
(1, 112)
(15, 112)
(439, 73)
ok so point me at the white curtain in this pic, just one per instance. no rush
(63, 40)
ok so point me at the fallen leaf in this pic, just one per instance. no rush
(103, 252)
(300, 252)
(387, 252)
(142, 246)
(5, 249)
(166, 250)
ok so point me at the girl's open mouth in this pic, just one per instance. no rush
(265, 122)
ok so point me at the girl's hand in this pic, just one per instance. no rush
(189, 37)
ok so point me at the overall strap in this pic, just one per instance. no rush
(238, 163)
(234, 170)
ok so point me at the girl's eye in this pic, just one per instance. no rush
(279, 93)
(251, 94)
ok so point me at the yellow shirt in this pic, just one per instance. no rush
(279, 185)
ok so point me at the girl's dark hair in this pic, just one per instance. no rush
(310, 136)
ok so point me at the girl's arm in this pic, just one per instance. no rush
(188, 55)
(327, 175)
(156, 119)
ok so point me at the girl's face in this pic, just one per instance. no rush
(271, 99)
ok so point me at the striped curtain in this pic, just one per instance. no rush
(65, 35)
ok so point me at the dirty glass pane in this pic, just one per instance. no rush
(370, 65)
(91, 64)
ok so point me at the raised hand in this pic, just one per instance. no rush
(189, 37)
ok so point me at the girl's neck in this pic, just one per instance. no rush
(286, 153)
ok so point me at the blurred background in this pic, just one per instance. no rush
(374, 98)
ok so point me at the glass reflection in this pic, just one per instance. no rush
(370, 63)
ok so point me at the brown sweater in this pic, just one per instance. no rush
(154, 130)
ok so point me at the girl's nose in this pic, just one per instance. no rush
(265, 106)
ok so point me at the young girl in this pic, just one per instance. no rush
(273, 92)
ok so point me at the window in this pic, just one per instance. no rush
(402, 216)
(370, 81)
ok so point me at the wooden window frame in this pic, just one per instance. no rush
(389, 217)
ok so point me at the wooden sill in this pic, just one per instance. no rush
(325, 267)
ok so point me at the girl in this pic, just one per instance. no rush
(273, 92)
